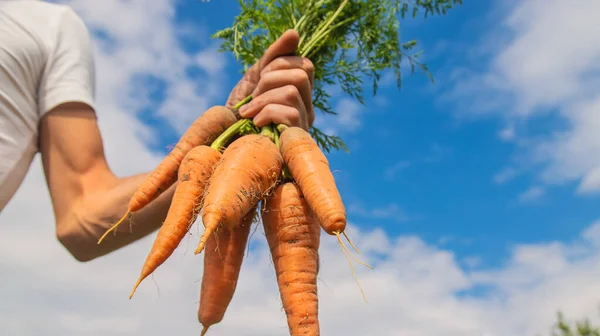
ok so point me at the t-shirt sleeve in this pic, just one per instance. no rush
(69, 74)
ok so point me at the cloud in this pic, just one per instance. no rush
(438, 153)
(391, 211)
(505, 175)
(508, 133)
(416, 289)
(347, 119)
(391, 172)
(546, 67)
(531, 195)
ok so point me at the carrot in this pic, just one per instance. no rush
(310, 168)
(222, 263)
(293, 235)
(194, 173)
(249, 168)
(203, 131)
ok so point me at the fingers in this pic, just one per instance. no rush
(280, 114)
(291, 62)
(280, 105)
(286, 44)
(294, 77)
(293, 70)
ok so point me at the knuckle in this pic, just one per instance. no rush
(308, 65)
(275, 64)
(269, 109)
(301, 76)
(268, 77)
(257, 102)
(270, 112)
(294, 117)
(291, 92)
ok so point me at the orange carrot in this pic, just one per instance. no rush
(310, 168)
(194, 173)
(249, 168)
(293, 235)
(203, 131)
(222, 263)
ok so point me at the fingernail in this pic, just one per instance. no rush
(243, 109)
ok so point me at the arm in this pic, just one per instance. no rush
(86, 196)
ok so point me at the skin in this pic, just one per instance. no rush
(87, 197)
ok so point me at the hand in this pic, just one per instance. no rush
(281, 86)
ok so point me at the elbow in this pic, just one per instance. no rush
(73, 240)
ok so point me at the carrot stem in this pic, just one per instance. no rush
(220, 142)
(243, 102)
(281, 128)
(268, 132)
(321, 33)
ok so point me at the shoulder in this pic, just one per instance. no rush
(61, 48)
(45, 17)
(45, 22)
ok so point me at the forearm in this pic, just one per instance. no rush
(93, 214)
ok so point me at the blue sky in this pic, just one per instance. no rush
(416, 164)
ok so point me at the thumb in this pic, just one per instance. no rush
(286, 44)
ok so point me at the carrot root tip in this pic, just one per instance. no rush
(114, 227)
(204, 330)
(348, 254)
(350, 242)
(137, 283)
(208, 231)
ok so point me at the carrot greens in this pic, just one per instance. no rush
(348, 41)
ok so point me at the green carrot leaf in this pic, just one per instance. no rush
(350, 43)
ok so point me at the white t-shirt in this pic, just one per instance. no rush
(45, 60)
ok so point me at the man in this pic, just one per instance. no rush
(47, 106)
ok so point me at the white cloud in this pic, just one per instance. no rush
(547, 65)
(505, 175)
(438, 153)
(507, 133)
(389, 212)
(391, 172)
(412, 291)
(210, 61)
(347, 119)
(532, 194)
(348, 113)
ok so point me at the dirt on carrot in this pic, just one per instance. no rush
(223, 258)
(249, 169)
(194, 173)
(203, 131)
(293, 235)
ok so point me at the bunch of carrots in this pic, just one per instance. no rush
(227, 169)
(224, 178)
